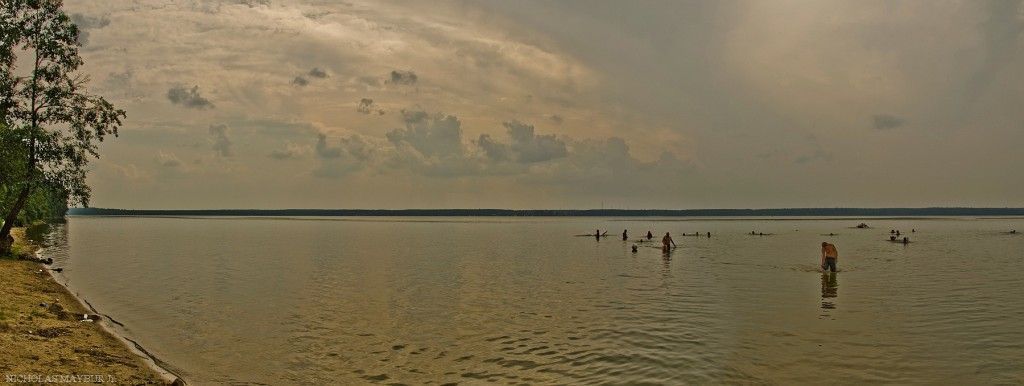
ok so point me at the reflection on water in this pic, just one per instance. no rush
(37, 233)
(829, 290)
(523, 301)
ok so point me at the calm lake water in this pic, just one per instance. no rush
(522, 301)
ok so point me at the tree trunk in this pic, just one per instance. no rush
(5, 233)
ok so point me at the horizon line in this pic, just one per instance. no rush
(494, 208)
(437, 212)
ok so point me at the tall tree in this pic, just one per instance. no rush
(52, 123)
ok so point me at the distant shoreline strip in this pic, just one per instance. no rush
(783, 212)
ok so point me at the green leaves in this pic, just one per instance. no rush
(51, 123)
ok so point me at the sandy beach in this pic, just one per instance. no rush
(44, 338)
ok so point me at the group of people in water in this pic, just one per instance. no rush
(667, 243)
(894, 236)
(829, 252)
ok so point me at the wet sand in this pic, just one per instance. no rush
(44, 339)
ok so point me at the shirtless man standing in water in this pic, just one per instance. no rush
(829, 255)
(667, 243)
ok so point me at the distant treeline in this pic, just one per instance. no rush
(790, 212)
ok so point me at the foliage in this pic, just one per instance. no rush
(52, 125)
(45, 202)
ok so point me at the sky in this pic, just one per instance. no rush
(557, 105)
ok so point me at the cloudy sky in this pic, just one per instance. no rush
(573, 104)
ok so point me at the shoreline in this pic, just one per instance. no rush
(154, 363)
(43, 322)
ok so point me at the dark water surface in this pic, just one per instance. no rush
(522, 301)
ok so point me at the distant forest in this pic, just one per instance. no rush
(790, 212)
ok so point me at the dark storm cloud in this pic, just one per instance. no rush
(432, 145)
(529, 147)
(86, 23)
(350, 154)
(366, 106)
(188, 97)
(430, 135)
(525, 147)
(352, 147)
(886, 121)
(493, 150)
(304, 79)
(403, 78)
(83, 21)
(323, 150)
(316, 72)
(221, 142)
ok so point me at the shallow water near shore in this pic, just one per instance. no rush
(523, 301)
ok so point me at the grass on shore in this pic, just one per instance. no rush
(21, 249)
(42, 332)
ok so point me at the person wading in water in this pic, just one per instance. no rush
(667, 243)
(829, 255)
